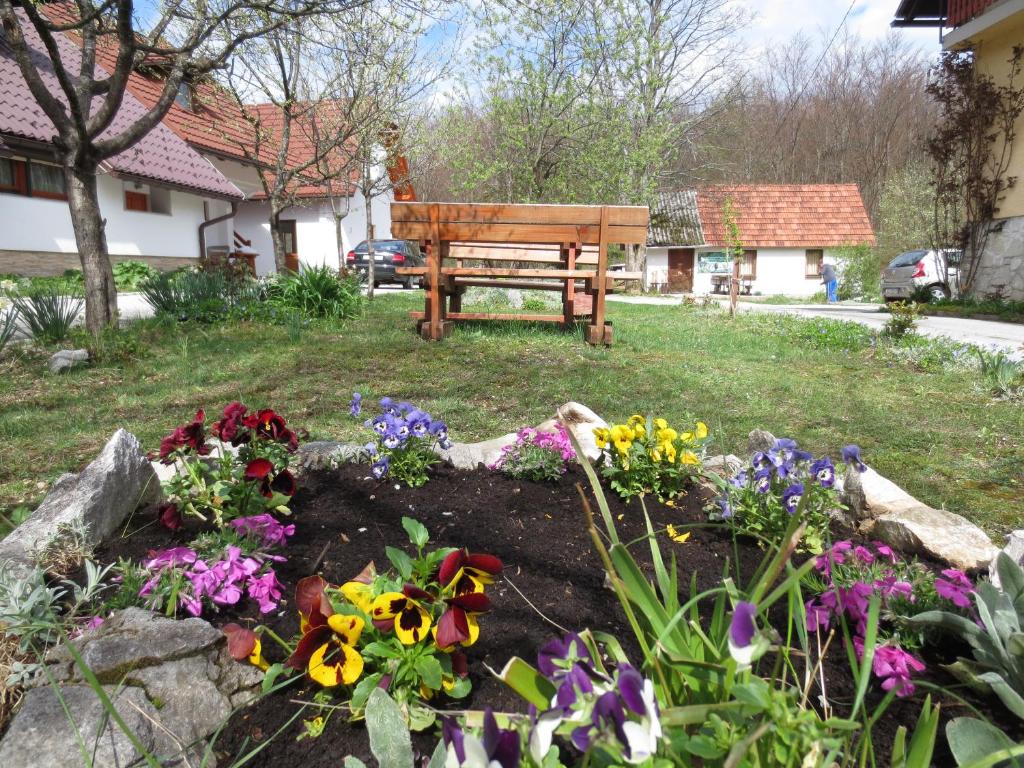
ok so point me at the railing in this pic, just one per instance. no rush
(962, 11)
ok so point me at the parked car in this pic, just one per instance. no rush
(935, 270)
(387, 254)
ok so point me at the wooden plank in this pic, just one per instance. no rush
(602, 271)
(494, 316)
(435, 299)
(524, 284)
(411, 270)
(510, 233)
(553, 274)
(619, 215)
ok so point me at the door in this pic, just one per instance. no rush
(291, 246)
(680, 270)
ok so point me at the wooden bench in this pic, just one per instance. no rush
(561, 248)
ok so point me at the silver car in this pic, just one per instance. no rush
(936, 270)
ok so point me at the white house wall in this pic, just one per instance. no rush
(780, 271)
(37, 238)
(314, 229)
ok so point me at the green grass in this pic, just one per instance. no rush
(821, 382)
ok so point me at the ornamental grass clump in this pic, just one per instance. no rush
(536, 455)
(779, 483)
(248, 476)
(647, 456)
(845, 578)
(404, 441)
(402, 631)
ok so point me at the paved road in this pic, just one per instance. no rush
(1008, 337)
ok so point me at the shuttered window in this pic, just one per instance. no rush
(136, 201)
(748, 265)
(815, 260)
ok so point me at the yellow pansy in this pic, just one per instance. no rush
(686, 437)
(660, 424)
(622, 437)
(601, 437)
(655, 453)
(702, 430)
(680, 538)
(689, 457)
(359, 594)
(411, 621)
(342, 667)
(670, 453)
(666, 435)
(256, 657)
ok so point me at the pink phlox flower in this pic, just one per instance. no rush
(885, 551)
(265, 589)
(889, 587)
(819, 613)
(864, 554)
(956, 587)
(895, 666)
(271, 532)
(170, 558)
(854, 602)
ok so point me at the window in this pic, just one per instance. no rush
(146, 199)
(183, 98)
(748, 265)
(32, 177)
(815, 261)
(136, 201)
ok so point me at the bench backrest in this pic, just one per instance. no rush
(527, 224)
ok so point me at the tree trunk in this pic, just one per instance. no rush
(734, 286)
(91, 239)
(368, 205)
(280, 265)
(339, 243)
(636, 261)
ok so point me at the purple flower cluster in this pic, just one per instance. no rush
(853, 573)
(222, 582)
(265, 529)
(398, 426)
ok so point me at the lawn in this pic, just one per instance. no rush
(826, 384)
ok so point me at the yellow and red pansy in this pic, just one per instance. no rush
(402, 612)
(244, 645)
(462, 572)
(327, 647)
(458, 625)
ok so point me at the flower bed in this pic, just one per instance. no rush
(357, 578)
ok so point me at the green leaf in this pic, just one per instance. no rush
(528, 683)
(421, 718)
(389, 734)
(971, 740)
(429, 670)
(440, 755)
(381, 650)
(922, 741)
(270, 676)
(1011, 698)
(461, 688)
(353, 762)
(363, 689)
(417, 532)
(401, 561)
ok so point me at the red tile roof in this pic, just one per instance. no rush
(787, 215)
(160, 156)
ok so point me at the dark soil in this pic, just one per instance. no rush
(344, 519)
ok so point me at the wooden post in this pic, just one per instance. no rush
(434, 328)
(596, 332)
(569, 290)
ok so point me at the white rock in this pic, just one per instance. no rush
(942, 535)
(101, 496)
(66, 359)
(1014, 548)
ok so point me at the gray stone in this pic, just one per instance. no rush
(760, 440)
(40, 735)
(576, 418)
(870, 495)
(320, 454)
(725, 465)
(66, 359)
(101, 496)
(942, 535)
(1014, 548)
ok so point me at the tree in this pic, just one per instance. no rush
(186, 39)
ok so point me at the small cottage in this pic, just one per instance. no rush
(787, 232)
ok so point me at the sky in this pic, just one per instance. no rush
(869, 19)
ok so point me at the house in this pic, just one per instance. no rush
(787, 232)
(170, 216)
(990, 29)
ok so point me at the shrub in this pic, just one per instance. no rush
(860, 275)
(49, 312)
(536, 455)
(129, 275)
(404, 441)
(317, 292)
(648, 456)
(8, 322)
(1003, 376)
(902, 321)
(200, 296)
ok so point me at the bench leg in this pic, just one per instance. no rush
(599, 334)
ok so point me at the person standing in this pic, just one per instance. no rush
(831, 282)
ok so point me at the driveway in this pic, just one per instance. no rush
(1008, 337)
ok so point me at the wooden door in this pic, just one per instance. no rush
(291, 245)
(680, 270)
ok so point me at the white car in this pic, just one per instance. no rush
(937, 270)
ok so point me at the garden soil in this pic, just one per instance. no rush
(552, 579)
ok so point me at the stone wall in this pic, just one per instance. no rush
(1002, 264)
(44, 263)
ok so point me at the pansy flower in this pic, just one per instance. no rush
(763, 481)
(380, 467)
(382, 422)
(461, 572)
(391, 439)
(372, 451)
(622, 437)
(440, 432)
(824, 472)
(402, 612)
(791, 497)
(230, 428)
(244, 645)
(269, 425)
(191, 436)
(496, 749)
(169, 516)
(458, 624)
(725, 506)
(851, 455)
(742, 629)
(327, 647)
(355, 406)
(388, 406)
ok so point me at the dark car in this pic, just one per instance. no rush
(387, 254)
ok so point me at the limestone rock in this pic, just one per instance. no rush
(40, 735)
(760, 440)
(66, 359)
(869, 494)
(939, 534)
(576, 418)
(725, 466)
(101, 496)
(319, 454)
(1014, 547)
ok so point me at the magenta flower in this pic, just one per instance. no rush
(956, 588)
(864, 554)
(895, 666)
(265, 527)
(265, 589)
(742, 626)
(169, 558)
(885, 551)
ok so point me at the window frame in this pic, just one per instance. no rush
(23, 180)
(46, 195)
(820, 265)
(139, 195)
(19, 169)
(749, 257)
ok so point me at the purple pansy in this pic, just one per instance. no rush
(380, 467)
(824, 472)
(763, 481)
(791, 497)
(742, 627)
(355, 406)
(851, 455)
